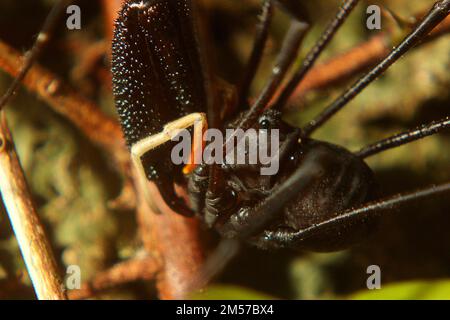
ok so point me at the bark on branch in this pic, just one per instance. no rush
(28, 229)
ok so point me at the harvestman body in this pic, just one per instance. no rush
(302, 206)
(318, 201)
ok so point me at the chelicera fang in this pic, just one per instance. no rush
(323, 199)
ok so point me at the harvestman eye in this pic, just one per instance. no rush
(264, 123)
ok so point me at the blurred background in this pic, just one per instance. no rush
(73, 182)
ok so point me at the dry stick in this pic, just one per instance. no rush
(106, 132)
(434, 17)
(124, 272)
(30, 235)
(84, 114)
(179, 233)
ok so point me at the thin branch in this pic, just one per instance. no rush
(178, 241)
(182, 252)
(435, 16)
(28, 229)
(92, 122)
(33, 54)
(342, 67)
(139, 269)
(354, 61)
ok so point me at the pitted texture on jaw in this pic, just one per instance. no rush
(157, 73)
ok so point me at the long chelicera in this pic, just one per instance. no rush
(157, 78)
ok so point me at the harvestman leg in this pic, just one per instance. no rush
(138, 149)
(312, 56)
(252, 221)
(170, 130)
(216, 175)
(262, 34)
(294, 238)
(288, 238)
(32, 55)
(404, 138)
(284, 60)
(288, 54)
(436, 15)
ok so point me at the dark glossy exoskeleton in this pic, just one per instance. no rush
(320, 198)
(337, 180)
(157, 78)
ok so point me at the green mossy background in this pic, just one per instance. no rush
(73, 182)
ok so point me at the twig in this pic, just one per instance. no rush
(122, 273)
(105, 132)
(33, 54)
(356, 60)
(342, 67)
(177, 239)
(98, 127)
(33, 243)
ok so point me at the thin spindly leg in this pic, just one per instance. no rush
(262, 33)
(404, 138)
(286, 57)
(252, 220)
(32, 55)
(438, 13)
(294, 238)
(170, 130)
(314, 53)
